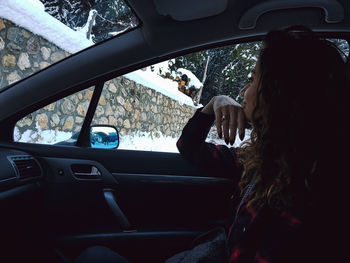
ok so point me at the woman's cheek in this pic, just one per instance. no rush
(247, 112)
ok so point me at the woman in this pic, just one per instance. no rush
(282, 205)
(294, 102)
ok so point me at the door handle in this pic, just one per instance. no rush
(94, 173)
(112, 203)
(85, 171)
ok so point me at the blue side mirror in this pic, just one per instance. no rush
(104, 137)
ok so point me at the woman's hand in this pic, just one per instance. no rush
(229, 116)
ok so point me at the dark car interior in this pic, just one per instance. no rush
(56, 200)
(161, 203)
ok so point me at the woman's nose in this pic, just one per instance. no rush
(242, 91)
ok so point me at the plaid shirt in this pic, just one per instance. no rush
(257, 235)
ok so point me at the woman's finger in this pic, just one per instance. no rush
(218, 117)
(225, 121)
(241, 124)
(233, 124)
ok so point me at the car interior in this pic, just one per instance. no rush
(57, 200)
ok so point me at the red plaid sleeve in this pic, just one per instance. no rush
(214, 160)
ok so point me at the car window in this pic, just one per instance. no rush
(37, 33)
(56, 123)
(342, 44)
(147, 110)
(150, 106)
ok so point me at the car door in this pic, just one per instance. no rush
(151, 202)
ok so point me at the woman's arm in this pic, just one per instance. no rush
(215, 160)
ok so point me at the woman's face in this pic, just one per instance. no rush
(249, 92)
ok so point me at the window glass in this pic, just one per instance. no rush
(150, 106)
(147, 109)
(37, 33)
(56, 123)
(342, 44)
(224, 71)
(95, 19)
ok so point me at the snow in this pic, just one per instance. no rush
(213, 138)
(151, 77)
(167, 87)
(85, 28)
(30, 15)
(112, 34)
(41, 136)
(37, 4)
(142, 141)
(162, 67)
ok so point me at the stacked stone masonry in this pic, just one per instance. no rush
(23, 53)
(124, 104)
(132, 108)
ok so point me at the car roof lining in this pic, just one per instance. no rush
(187, 10)
(333, 10)
(162, 32)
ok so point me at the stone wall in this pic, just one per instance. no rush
(66, 115)
(23, 53)
(132, 107)
(125, 104)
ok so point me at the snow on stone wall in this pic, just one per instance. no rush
(31, 15)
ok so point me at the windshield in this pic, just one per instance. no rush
(37, 33)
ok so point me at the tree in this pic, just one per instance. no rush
(342, 44)
(244, 58)
(227, 71)
(112, 16)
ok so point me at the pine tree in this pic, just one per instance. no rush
(112, 15)
(227, 71)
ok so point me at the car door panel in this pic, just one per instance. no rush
(165, 199)
(150, 201)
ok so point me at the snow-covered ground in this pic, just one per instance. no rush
(138, 141)
(142, 141)
(41, 136)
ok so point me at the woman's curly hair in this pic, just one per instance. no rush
(299, 107)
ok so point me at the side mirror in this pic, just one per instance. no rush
(104, 137)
